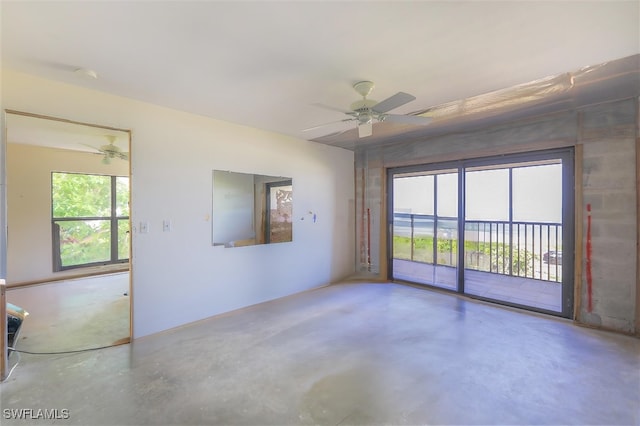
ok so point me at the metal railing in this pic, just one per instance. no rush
(522, 249)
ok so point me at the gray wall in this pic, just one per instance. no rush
(605, 137)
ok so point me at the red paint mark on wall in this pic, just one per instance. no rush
(369, 238)
(589, 274)
(362, 219)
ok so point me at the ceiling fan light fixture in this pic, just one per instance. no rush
(365, 129)
(365, 117)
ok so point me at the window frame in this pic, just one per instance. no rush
(267, 221)
(113, 220)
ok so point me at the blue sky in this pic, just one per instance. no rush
(537, 194)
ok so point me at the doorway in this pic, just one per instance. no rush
(498, 229)
(68, 245)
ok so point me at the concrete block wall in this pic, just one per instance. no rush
(369, 212)
(608, 291)
(608, 134)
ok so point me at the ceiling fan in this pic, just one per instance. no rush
(110, 150)
(365, 111)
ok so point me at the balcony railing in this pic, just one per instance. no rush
(522, 249)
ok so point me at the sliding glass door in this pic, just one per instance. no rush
(425, 230)
(499, 229)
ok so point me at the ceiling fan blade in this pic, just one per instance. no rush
(95, 148)
(394, 101)
(333, 123)
(365, 130)
(344, 111)
(333, 133)
(416, 120)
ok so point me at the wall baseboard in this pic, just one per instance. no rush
(68, 277)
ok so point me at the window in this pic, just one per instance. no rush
(90, 220)
(278, 227)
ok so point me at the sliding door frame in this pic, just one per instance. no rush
(566, 155)
(434, 168)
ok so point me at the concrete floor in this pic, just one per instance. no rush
(73, 314)
(353, 353)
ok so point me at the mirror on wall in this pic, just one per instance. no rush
(68, 245)
(250, 209)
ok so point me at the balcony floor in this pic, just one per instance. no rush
(539, 294)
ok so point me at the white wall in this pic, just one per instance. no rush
(178, 276)
(29, 246)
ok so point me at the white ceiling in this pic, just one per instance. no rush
(56, 134)
(265, 64)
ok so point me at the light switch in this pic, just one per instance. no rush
(166, 225)
(144, 227)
